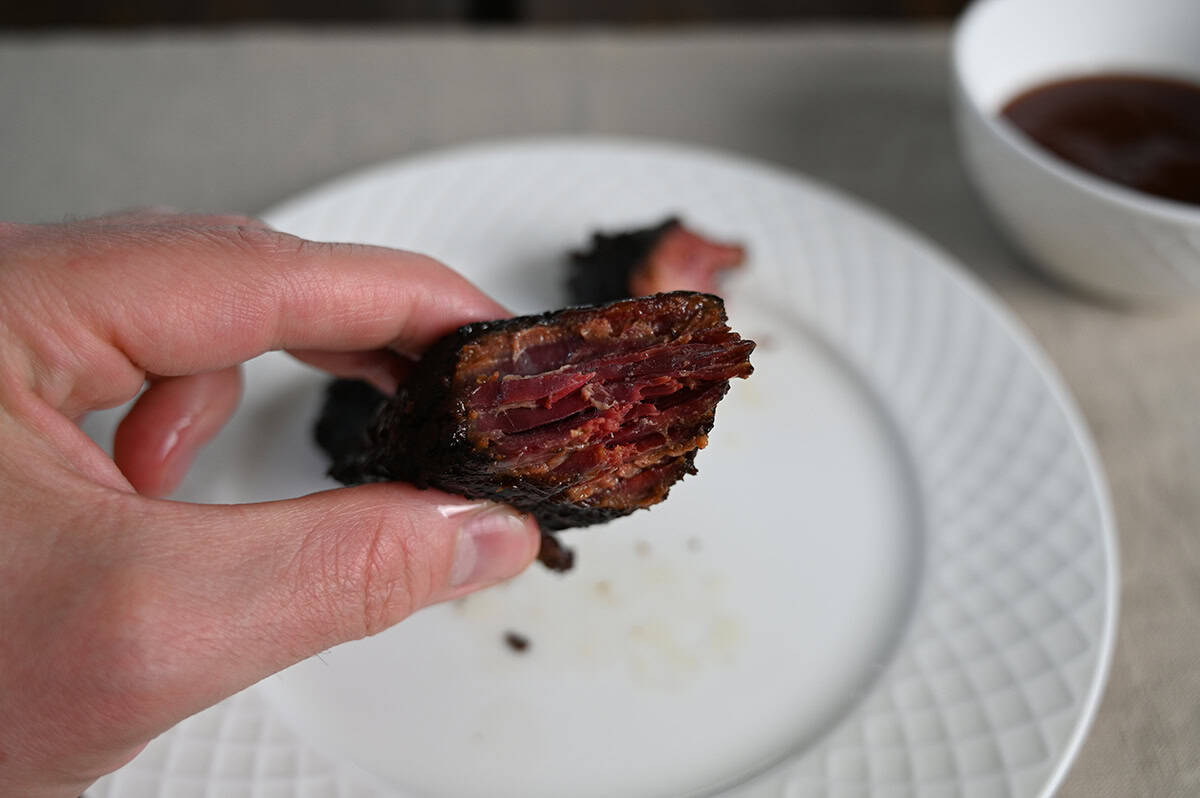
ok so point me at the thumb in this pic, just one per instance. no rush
(239, 592)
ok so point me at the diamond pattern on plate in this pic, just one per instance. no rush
(1005, 641)
(992, 685)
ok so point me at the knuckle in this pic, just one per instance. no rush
(369, 574)
(387, 576)
(258, 242)
(228, 220)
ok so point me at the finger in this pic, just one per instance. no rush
(187, 301)
(381, 367)
(240, 292)
(243, 591)
(158, 439)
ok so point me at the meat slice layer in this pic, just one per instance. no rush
(577, 416)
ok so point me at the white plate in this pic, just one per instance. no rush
(893, 575)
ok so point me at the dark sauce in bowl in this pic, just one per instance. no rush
(1141, 132)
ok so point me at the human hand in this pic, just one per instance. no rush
(122, 613)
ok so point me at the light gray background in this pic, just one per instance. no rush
(238, 120)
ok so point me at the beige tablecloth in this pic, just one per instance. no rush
(238, 120)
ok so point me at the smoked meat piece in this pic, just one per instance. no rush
(577, 416)
(665, 257)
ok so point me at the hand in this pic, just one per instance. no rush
(122, 613)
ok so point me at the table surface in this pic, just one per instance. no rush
(239, 119)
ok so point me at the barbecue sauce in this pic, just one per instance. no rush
(1141, 132)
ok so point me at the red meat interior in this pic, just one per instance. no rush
(684, 261)
(603, 408)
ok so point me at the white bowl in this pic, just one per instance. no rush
(1087, 230)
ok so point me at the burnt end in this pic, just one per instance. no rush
(664, 257)
(344, 426)
(577, 416)
(601, 274)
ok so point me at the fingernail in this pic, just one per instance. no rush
(494, 543)
(175, 472)
(177, 460)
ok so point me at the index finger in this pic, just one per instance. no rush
(184, 301)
